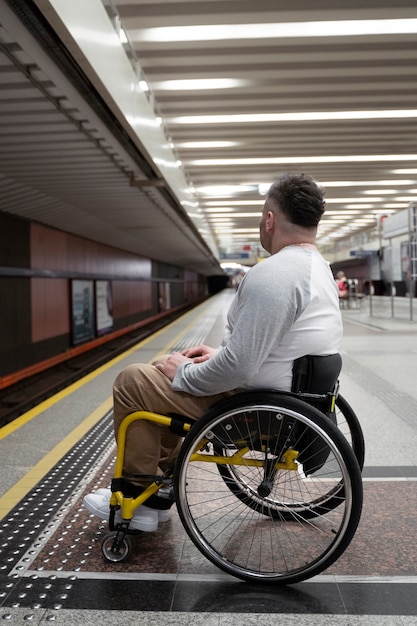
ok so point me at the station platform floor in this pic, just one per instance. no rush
(51, 566)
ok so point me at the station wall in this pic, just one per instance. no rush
(58, 290)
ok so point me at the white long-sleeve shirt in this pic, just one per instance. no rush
(287, 306)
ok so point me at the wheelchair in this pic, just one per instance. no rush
(267, 484)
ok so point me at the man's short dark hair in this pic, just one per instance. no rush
(300, 199)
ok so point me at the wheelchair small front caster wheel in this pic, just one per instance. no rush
(115, 550)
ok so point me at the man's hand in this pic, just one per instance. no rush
(200, 353)
(171, 364)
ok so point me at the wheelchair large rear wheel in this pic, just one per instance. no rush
(264, 519)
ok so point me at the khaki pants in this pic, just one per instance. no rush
(152, 448)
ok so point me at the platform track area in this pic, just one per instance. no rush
(51, 566)
(30, 390)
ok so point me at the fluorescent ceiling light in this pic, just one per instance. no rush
(221, 220)
(223, 190)
(225, 209)
(346, 217)
(216, 206)
(365, 183)
(357, 206)
(351, 200)
(407, 171)
(218, 215)
(218, 203)
(306, 116)
(264, 187)
(207, 144)
(370, 192)
(221, 234)
(215, 32)
(353, 213)
(241, 230)
(350, 158)
(191, 84)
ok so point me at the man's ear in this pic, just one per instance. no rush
(270, 220)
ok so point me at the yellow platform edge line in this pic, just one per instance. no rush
(16, 493)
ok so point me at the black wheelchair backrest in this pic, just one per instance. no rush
(317, 377)
(316, 374)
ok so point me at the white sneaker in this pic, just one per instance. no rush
(144, 518)
(102, 491)
(164, 515)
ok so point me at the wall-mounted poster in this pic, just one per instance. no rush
(82, 303)
(104, 307)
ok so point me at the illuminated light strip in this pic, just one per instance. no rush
(216, 32)
(216, 206)
(308, 116)
(365, 183)
(238, 230)
(199, 83)
(229, 218)
(206, 144)
(352, 158)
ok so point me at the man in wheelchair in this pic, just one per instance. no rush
(286, 307)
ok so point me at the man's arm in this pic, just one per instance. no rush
(267, 307)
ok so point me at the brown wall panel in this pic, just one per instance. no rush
(50, 308)
(131, 297)
(55, 250)
(48, 248)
